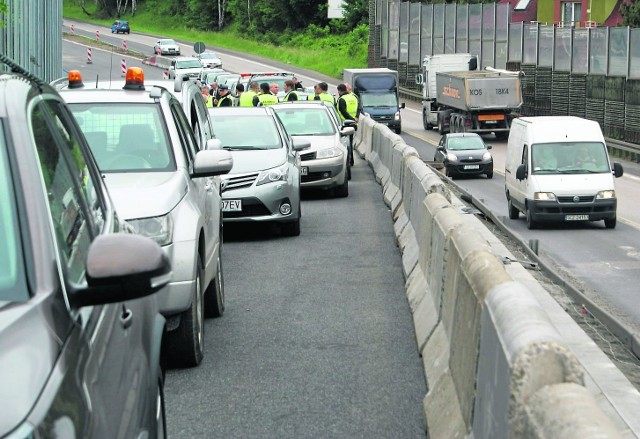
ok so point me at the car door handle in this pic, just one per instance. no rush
(126, 318)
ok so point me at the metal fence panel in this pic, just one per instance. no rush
(488, 34)
(475, 31)
(598, 46)
(404, 32)
(426, 31)
(438, 29)
(384, 31)
(515, 42)
(414, 33)
(502, 36)
(580, 51)
(545, 42)
(462, 25)
(394, 32)
(562, 49)
(618, 51)
(450, 28)
(634, 54)
(530, 44)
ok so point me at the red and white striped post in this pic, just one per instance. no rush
(159, 52)
(73, 29)
(124, 45)
(97, 35)
(165, 75)
(88, 55)
(123, 65)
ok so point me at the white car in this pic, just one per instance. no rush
(185, 65)
(209, 60)
(166, 47)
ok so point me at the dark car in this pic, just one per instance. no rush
(464, 154)
(120, 26)
(80, 332)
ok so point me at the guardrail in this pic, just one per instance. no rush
(617, 148)
(495, 364)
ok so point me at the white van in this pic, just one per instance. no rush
(558, 170)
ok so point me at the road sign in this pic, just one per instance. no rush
(199, 47)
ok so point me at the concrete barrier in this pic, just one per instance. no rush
(162, 62)
(494, 363)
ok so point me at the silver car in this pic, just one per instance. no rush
(185, 65)
(163, 185)
(325, 165)
(166, 46)
(264, 183)
(209, 59)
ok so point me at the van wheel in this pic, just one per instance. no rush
(610, 223)
(514, 213)
(531, 224)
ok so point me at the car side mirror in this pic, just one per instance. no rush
(402, 105)
(347, 131)
(349, 123)
(617, 169)
(521, 172)
(299, 144)
(212, 162)
(440, 148)
(122, 267)
(419, 79)
(489, 146)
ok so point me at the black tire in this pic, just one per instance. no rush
(349, 172)
(342, 191)
(531, 224)
(514, 213)
(448, 172)
(160, 415)
(291, 228)
(490, 173)
(440, 126)
(398, 130)
(214, 295)
(426, 125)
(186, 343)
(610, 223)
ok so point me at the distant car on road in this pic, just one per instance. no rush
(120, 26)
(80, 333)
(167, 188)
(185, 65)
(464, 154)
(209, 60)
(166, 46)
(264, 183)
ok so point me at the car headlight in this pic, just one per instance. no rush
(281, 173)
(397, 115)
(328, 153)
(606, 194)
(544, 196)
(486, 156)
(452, 157)
(158, 228)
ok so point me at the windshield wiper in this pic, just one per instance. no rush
(577, 171)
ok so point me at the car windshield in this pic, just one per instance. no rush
(249, 132)
(379, 100)
(125, 137)
(466, 142)
(306, 121)
(12, 282)
(570, 158)
(168, 42)
(208, 56)
(188, 64)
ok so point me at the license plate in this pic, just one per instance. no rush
(231, 205)
(304, 170)
(471, 166)
(576, 217)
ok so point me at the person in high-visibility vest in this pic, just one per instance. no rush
(347, 106)
(322, 93)
(265, 97)
(208, 100)
(246, 99)
(225, 99)
(290, 92)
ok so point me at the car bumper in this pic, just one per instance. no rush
(262, 203)
(470, 168)
(176, 296)
(553, 211)
(323, 173)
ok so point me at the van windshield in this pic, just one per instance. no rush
(569, 158)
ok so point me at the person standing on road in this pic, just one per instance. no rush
(206, 96)
(274, 89)
(290, 92)
(347, 106)
(265, 97)
(239, 93)
(247, 98)
(297, 85)
(322, 93)
(225, 99)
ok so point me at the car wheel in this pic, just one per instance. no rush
(398, 130)
(161, 418)
(531, 224)
(448, 172)
(490, 174)
(440, 126)
(214, 295)
(186, 342)
(610, 223)
(349, 172)
(342, 191)
(514, 213)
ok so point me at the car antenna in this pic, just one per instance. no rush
(97, 77)
(16, 68)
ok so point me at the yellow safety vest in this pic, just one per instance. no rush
(352, 105)
(286, 97)
(268, 99)
(209, 101)
(246, 98)
(223, 98)
(324, 96)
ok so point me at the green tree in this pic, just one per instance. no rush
(630, 12)
(356, 12)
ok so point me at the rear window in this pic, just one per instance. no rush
(126, 137)
(246, 131)
(306, 121)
